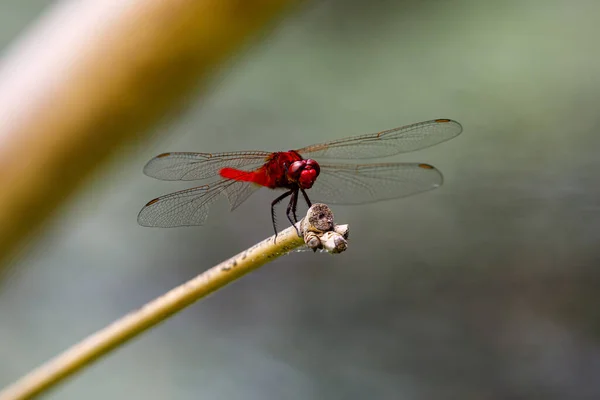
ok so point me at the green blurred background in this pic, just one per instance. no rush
(486, 288)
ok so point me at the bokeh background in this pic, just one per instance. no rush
(486, 288)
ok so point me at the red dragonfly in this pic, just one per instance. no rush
(239, 174)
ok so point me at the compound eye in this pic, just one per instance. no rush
(295, 169)
(312, 164)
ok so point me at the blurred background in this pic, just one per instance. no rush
(486, 288)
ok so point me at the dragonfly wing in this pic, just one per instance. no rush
(190, 207)
(386, 143)
(238, 192)
(367, 183)
(195, 166)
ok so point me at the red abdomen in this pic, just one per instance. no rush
(273, 173)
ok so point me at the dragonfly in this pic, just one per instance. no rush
(313, 169)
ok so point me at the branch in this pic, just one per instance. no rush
(318, 230)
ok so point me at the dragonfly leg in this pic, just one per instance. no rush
(306, 198)
(291, 210)
(294, 203)
(273, 204)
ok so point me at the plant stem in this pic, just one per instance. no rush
(119, 332)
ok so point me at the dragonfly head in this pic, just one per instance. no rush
(304, 172)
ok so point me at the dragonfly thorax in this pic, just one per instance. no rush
(304, 172)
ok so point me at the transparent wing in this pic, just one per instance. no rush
(194, 166)
(190, 207)
(367, 183)
(381, 144)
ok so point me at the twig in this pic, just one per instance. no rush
(318, 224)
